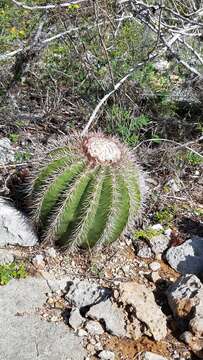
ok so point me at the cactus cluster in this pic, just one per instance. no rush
(86, 192)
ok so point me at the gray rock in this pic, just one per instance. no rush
(106, 355)
(152, 356)
(75, 320)
(159, 244)
(86, 293)
(7, 154)
(23, 335)
(187, 258)
(147, 311)
(6, 257)
(94, 328)
(24, 295)
(185, 298)
(14, 227)
(30, 338)
(112, 316)
(183, 295)
(142, 249)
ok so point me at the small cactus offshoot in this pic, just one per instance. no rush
(86, 192)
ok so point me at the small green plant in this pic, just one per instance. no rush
(149, 77)
(14, 137)
(12, 271)
(21, 156)
(147, 233)
(125, 125)
(193, 158)
(198, 212)
(164, 216)
(86, 192)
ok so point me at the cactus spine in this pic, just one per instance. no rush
(86, 192)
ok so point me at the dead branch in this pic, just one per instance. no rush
(48, 6)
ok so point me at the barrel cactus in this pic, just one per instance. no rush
(86, 192)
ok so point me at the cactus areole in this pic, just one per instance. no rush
(86, 192)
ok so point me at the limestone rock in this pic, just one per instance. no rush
(184, 294)
(86, 293)
(134, 329)
(187, 258)
(94, 328)
(147, 311)
(30, 338)
(112, 316)
(23, 335)
(185, 298)
(14, 227)
(159, 244)
(142, 249)
(75, 320)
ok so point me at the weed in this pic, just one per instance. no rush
(21, 156)
(125, 125)
(14, 137)
(147, 233)
(193, 159)
(12, 271)
(164, 216)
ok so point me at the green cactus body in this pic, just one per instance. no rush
(86, 193)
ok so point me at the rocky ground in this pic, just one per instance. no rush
(141, 298)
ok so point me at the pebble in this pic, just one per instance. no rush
(154, 276)
(154, 266)
(168, 232)
(82, 333)
(54, 318)
(38, 261)
(147, 355)
(51, 252)
(106, 355)
(98, 346)
(157, 227)
(90, 348)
